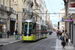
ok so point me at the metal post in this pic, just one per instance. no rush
(46, 16)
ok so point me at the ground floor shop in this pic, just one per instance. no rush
(2, 28)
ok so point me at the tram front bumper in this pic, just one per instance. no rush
(28, 38)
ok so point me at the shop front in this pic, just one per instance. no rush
(2, 29)
(12, 25)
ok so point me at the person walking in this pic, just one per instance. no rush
(63, 39)
(66, 36)
(8, 33)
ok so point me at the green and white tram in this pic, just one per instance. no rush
(32, 31)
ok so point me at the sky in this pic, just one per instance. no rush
(54, 6)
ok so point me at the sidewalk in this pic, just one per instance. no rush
(11, 39)
(59, 46)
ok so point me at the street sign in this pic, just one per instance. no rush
(62, 19)
(33, 17)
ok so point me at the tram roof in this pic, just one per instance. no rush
(33, 21)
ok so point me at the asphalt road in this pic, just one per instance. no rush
(43, 44)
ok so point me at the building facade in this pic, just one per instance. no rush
(61, 20)
(70, 14)
(7, 17)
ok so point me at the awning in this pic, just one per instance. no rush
(12, 19)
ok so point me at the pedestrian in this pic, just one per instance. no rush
(16, 34)
(57, 32)
(8, 33)
(66, 36)
(60, 34)
(63, 39)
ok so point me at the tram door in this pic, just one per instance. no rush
(41, 31)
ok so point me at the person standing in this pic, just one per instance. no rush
(16, 34)
(8, 33)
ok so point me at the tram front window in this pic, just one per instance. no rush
(28, 29)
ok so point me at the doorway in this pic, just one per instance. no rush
(12, 27)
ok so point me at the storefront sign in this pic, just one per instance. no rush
(72, 6)
(70, 20)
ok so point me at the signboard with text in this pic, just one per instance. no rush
(72, 6)
(68, 19)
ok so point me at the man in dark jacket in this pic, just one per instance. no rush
(8, 33)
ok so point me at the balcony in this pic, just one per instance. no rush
(3, 8)
(6, 9)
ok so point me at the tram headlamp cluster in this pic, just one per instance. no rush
(25, 23)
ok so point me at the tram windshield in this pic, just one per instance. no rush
(28, 28)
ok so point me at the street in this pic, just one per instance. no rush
(43, 44)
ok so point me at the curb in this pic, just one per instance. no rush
(9, 43)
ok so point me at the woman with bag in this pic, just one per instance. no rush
(63, 39)
(66, 36)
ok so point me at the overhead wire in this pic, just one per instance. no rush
(51, 7)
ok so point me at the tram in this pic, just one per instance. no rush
(33, 31)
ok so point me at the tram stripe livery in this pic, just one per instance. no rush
(33, 31)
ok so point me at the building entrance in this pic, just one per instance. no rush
(12, 27)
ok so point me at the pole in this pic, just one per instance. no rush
(46, 16)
